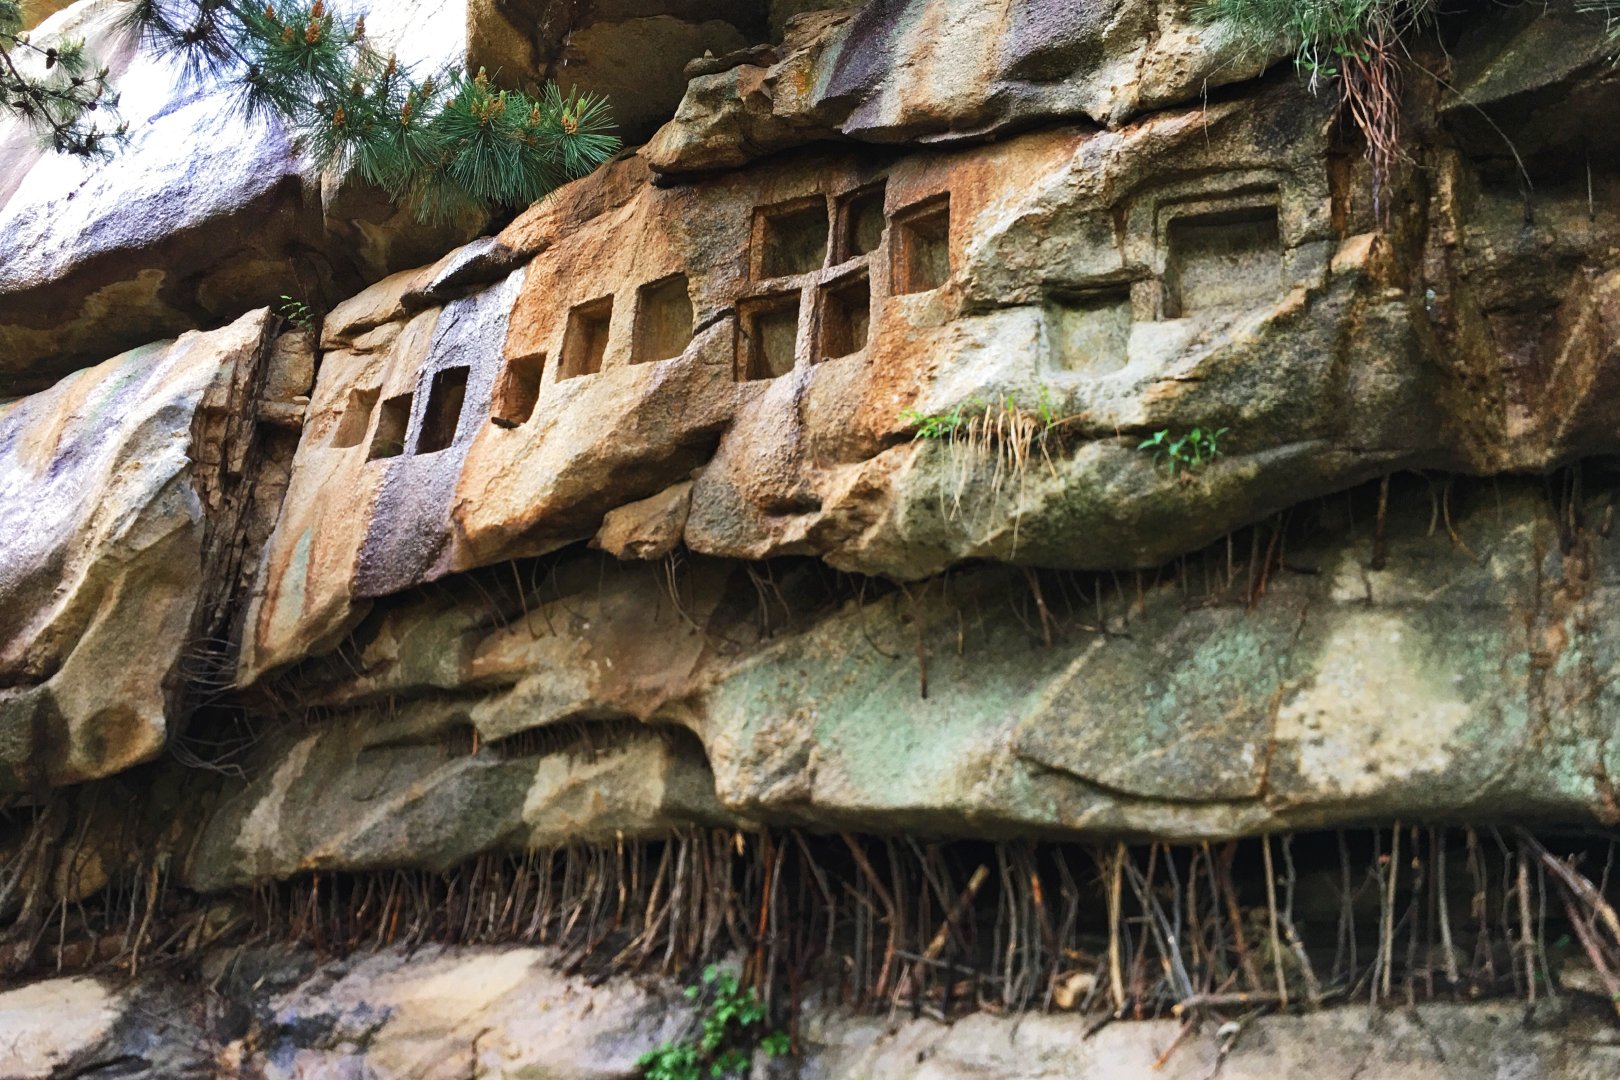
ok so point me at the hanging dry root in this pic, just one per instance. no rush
(1370, 87)
(1285, 922)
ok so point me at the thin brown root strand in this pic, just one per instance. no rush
(936, 928)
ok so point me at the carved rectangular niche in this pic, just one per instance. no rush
(846, 316)
(768, 333)
(1089, 331)
(442, 417)
(585, 340)
(356, 419)
(922, 245)
(518, 391)
(790, 238)
(663, 320)
(860, 222)
(1226, 259)
(392, 420)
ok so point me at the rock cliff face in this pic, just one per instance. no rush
(122, 505)
(780, 488)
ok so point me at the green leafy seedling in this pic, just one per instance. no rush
(935, 425)
(296, 312)
(731, 1025)
(1189, 453)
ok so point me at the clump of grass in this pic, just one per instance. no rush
(936, 425)
(1007, 433)
(1324, 33)
(1004, 429)
(1353, 45)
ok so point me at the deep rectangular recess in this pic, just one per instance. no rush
(663, 320)
(846, 316)
(790, 238)
(1226, 259)
(922, 245)
(585, 340)
(447, 393)
(1090, 331)
(356, 419)
(768, 332)
(518, 390)
(861, 221)
(393, 418)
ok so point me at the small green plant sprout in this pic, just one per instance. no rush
(968, 418)
(296, 312)
(731, 1025)
(1189, 453)
(936, 425)
(1045, 409)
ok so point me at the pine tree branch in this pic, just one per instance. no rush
(438, 145)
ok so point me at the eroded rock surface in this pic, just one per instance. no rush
(1421, 676)
(776, 335)
(728, 373)
(204, 214)
(784, 479)
(484, 1013)
(117, 487)
(912, 71)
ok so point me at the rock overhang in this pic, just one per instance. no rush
(716, 377)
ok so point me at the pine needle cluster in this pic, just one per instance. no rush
(439, 142)
(54, 89)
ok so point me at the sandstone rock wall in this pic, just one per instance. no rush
(35, 12)
(205, 214)
(1466, 677)
(616, 523)
(123, 490)
(725, 372)
(459, 1012)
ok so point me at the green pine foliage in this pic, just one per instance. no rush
(439, 142)
(55, 89)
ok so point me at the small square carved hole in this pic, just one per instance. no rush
(790, 238)
(768, 329)
(518, 391)
(585, 340)
(663, 320)
(922, 245)
(1229, 259)
(356, 419)
(860, 222)
(392, 420)
(440, 421)
(846, 316)
(1090, 332)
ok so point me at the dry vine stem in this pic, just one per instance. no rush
(1371, 87)
(936, 928)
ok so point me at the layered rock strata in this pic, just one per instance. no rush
(786, 478)
(127, 492)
